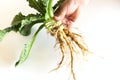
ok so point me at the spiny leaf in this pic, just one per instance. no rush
(28, 22)
(43, 4)
(16, 22)
(4, 32)
(17, 19)
(25, 52)
(37, 5)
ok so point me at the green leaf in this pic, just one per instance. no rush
(38, 5)
(16, 22)
(4, 32)
(25, 52)
(17, 19)
(26, 29)
(43, 4)
(28, 22)
(30, 18)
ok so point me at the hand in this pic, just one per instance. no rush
(68, 12)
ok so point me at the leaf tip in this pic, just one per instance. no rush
(17, 63)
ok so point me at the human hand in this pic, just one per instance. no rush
(68, 12)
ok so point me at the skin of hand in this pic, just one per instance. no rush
(68, 12)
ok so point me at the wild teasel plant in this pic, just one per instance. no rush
(68, 41)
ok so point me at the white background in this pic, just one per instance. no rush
(99, 22)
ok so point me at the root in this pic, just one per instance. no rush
(66, 38)
(62, 51)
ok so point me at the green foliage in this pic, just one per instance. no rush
(4, 32)
(23, 24)
(39, 5)
(17, 19)
(28, 23)
(15, 25)
(26, 50)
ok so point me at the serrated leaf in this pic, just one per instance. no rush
(37, 5)
(16, 22)
(17, 19)
(30, 18)
(43, 4)
(25, 52)
(28, 22)
(4, 32)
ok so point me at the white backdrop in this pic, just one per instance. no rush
(99, 22)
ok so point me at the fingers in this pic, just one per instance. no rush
(73, 17)
(69, 20)
(68, 12)
(61, 12)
